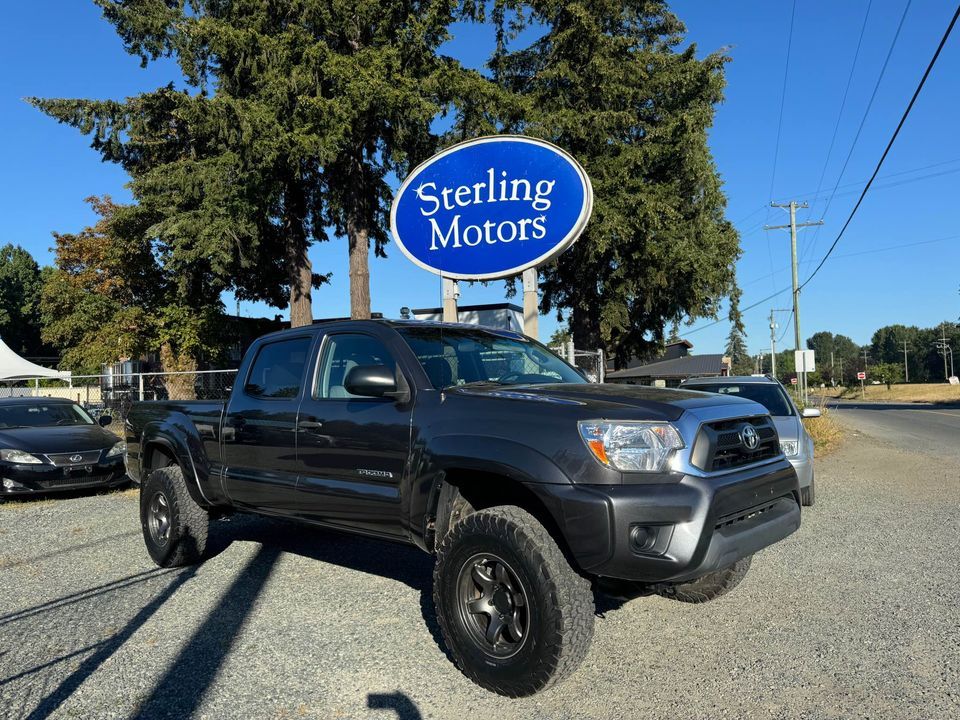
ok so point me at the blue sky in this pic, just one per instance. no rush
(64, 49)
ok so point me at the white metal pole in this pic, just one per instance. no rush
(531, 303)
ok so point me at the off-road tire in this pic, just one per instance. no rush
(187, 522)
(560, 616)
(709, 586)
(808, 494)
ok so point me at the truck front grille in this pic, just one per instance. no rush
(721, 446)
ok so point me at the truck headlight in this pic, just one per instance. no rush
(119, 449)
(790, 448)
(631, 446)
(20, 457)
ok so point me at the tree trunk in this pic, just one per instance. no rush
(299, 268)
(359, 237)
(179, 387)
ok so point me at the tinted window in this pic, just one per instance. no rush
(341, 354)
(770, 396)
(455, 357)
(278, 369)
(43, 415)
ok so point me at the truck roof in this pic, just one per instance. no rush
(317, 327)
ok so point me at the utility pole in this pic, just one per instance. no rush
(792, 206)
(943, 349)
(906, 370)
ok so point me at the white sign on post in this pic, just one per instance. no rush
(804, 361)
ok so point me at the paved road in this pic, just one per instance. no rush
(857, 615)
(931, 429)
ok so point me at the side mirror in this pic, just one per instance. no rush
(105, 420)
(810, 413)
(370, 381)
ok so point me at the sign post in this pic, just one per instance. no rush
(531, 303)
(451, 293)
(861, 376)
(494, 207)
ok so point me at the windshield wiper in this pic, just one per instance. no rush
(474, 383)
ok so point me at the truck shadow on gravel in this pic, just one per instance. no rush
(394, 561)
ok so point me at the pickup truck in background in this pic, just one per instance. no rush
(529, 484)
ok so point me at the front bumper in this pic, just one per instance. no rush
(35, 479)
(679, 531)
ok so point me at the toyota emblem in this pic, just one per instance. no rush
(76, 458)
(749, 437)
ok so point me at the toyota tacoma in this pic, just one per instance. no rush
(530, 485)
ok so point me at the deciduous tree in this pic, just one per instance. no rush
(20, 283)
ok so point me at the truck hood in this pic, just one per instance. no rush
(663, 403)
(57, 439)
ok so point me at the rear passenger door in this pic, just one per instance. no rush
(353, 450)
(260, 426)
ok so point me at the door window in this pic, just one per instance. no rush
(343, 353)
(278, 369)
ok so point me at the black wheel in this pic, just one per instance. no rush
(808, 494)
(174, 525)
(709, 586)
(515, 615)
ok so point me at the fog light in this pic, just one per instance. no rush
(9, 484)
(642, 537)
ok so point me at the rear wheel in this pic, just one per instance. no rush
(709, 586)
(515, 615)
(808, 494)
(174, 526)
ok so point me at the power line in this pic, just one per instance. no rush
(843, 102)
(776, 148)
(863, 120)
(893, 138)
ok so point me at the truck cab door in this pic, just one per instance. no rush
(260, 427)
(352, 450)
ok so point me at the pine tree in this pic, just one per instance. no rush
(605, 81)
(736, 350)
(297, 113)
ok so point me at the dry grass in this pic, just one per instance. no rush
(913, 393)
(826, 432)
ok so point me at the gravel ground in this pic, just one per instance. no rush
(855, 616)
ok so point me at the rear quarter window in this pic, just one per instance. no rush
(278, 369)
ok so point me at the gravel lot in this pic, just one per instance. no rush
(855, 616)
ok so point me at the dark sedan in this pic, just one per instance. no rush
(49, 444)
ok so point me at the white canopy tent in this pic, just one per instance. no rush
(13, 367)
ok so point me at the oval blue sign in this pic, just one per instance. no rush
(491, 207)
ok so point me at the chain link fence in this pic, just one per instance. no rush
(592, 363)
(114, 394)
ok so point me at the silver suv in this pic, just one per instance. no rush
(795, 442)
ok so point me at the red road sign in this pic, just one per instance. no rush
(793, 381)
(861, 375)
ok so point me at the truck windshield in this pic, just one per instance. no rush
(460, 356)
(42, 415)
(768, 395)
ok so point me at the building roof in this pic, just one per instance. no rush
(685, 366)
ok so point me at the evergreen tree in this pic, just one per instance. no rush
(297, 113)
(605, 81)
(736, 350)
(20, 283)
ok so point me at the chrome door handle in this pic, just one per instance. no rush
(309, 425)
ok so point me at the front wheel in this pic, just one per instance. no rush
(515, 615)
(808, 494)
(709, 586)
(174, 526)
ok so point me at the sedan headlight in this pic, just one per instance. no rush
(20, 457)
(631, 446)
(119, 449)
(790, 448)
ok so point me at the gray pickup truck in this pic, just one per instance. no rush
(530, 485)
